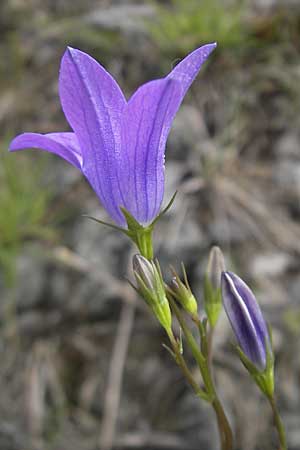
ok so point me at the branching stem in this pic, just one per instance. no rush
(226, 436)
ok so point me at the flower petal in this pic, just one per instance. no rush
(242, 321)
(64, 145)
(186, 71)
(252, 306)
(93, 103)
(145, 126)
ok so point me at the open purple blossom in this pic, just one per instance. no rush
(118, 145)
(246, 319)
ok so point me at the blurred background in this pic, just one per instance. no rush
(82, 363)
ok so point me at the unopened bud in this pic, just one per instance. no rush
(144, 269)
(151, 287)
(212, 285)
(182, 292)
(215, 267)
(246, 319)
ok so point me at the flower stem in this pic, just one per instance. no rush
(278, 423)
(225, 432)
(226, 436)
(210, 336)
(185, 370)
(143, 240)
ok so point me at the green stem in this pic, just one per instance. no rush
(278, 424)
(225, 432)
(226, 436)
(185, 370)
(206, 339)
(143, 240)
(210, 336)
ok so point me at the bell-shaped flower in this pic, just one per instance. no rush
(118, 145)
(246, 319)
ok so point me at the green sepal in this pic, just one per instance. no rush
(212, 302)
(156, 297)
(132, 223)
(166, 209)
(140, 235)
(263, 378)
(182, 292)
(110, 225)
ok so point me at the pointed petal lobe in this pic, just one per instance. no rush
(145, 128)
(186, 71)
(64, 145)
(93, 103)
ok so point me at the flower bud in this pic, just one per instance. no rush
(212, 285)
(215, 267)
(246, 320)
(144, 269)
(182, 292)
(150, 285)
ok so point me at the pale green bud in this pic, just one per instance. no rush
(215, 267)
(151, 287)
(212, 285)
(181, 291)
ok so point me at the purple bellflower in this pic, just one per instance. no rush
(246, 319)
(118, 145)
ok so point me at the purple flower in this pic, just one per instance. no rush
(118, 145)
(246, 319)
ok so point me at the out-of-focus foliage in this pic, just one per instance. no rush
(23, 208)
(292, 320)
(184, 24)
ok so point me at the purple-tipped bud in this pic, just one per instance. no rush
(246, 319)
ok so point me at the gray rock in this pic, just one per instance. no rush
(292, 430)
(270, 4)
(60, 175)
(287, 146)
(174, 173)
(287, 175)
(105, 249)
(31, 276)
(128, 18)
(188, 133)
(271, 264)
